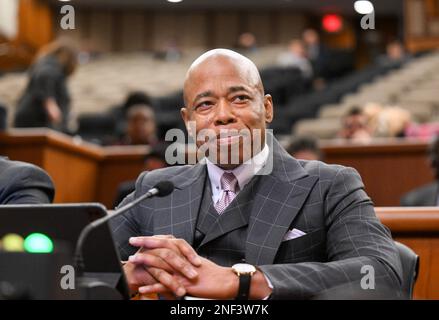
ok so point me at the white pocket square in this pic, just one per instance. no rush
(293, 234)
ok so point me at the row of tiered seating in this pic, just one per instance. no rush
(412, 87)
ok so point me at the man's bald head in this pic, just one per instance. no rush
(221, 57)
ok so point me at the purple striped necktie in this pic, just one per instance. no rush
(229, 185)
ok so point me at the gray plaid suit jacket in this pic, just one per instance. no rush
(327, 202)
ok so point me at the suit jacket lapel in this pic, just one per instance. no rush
(279, 198)
(235, 215)
(180, 215)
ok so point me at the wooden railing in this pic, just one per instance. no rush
(82, 172)
(389, 167)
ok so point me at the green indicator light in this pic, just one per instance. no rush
(38, 243)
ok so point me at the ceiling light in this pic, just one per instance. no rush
(363, 7)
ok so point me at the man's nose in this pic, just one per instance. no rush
(224, 113)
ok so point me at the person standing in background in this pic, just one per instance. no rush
(46, 101)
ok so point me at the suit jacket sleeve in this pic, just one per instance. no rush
(131, 223)
(22, 183)
(354, 238)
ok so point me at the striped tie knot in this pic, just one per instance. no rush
(229, 182)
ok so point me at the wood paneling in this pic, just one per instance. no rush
(289, 26)
(260, 24)
(82, 172)
(119, 165)
(165, 27)
(35, 23)
(72, 167)
(132, 31)
(388, 168)
(35, 29)
(102, 27)
(226, 29)
(193, 30)
(128, 30)
(421, 24)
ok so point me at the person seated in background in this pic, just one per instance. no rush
(119, 112)
(46, 100)
(141, 126)
(296, 56)
(427, 195)
(305, 148)
(395, 54)
(247, 43)
(392, 122)
(155, 159)
(170, 51)
(24, 183)
(355, 126)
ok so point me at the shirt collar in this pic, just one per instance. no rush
(243, 173)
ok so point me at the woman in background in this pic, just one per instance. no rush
(46, 101)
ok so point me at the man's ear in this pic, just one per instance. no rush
(268, 105)
(185, 116)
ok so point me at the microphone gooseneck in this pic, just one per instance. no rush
(161, 189)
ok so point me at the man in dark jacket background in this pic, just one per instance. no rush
(24, 183)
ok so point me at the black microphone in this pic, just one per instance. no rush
(161, 189)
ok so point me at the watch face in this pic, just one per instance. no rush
(244, 268)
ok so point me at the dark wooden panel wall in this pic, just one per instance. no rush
(389, 168)
(132, 30)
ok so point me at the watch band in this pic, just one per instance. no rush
(244, 287)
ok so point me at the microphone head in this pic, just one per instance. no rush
(165, 188)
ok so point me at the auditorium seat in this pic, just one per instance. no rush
(98, 128)
(3, 117)
(410, 268)
(334, 110)
(320, 128)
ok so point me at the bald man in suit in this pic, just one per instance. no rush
(264, 226)
(24, 183)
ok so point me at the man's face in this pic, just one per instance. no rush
(141, 126)
(353, 123)
(226, 99)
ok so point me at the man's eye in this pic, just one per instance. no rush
(241, 98)
(203, 105)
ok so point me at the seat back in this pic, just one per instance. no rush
(410, 267)
(3, 117)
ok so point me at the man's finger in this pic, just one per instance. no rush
(165, 259)
(188, 252)
(150, 260)
(170, 243)
(167, 280)
(154, 288)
